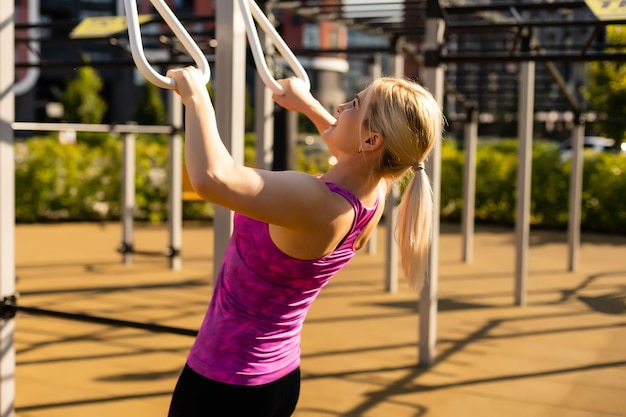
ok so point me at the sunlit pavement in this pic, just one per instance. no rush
(562, 355)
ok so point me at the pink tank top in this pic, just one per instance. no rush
(251, 332)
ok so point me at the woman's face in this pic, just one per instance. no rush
(345, 135)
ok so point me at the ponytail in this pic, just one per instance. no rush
(411, 122)
(413, 231)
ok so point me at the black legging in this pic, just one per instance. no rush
(197, 396)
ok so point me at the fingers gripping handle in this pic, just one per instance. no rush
(136, 46)
(250, 9)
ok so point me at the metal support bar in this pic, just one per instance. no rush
(376, 70)
(391, 263)
(391, 249)
(575, 193)
(525, 139)
(433, 80)
(229, 105)
(469, 184)
(264, 109)
(86, 127)
(128, 196)
(7, 204)
(175, 195)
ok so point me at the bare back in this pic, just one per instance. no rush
(321, 239)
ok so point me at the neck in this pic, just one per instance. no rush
(357, 176)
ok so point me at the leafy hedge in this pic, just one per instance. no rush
(604, 186)
(82, 183)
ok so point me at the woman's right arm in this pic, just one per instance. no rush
(290, 199)
(297, 97)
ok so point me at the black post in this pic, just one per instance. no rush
(281, 143)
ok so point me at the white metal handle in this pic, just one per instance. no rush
(250, 9)
(136, 46)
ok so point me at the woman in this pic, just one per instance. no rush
(293, 232)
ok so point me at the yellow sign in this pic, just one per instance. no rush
(608, 10)
(102, 26)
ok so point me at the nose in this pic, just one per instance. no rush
(341, 108)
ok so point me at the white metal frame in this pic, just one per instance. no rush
(525, 151)
(428, 303)
(249, 10)
(7, 204)
(136, 45)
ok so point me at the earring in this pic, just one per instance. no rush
(369, 140)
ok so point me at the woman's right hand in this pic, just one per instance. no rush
(295, 97)
(189, 83)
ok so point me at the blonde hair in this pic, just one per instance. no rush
(411, 122)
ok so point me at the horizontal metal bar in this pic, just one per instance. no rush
(468, 9)
(99, 64)
(526, 57)
(118, 36)
(488, 27)
(82, 127)
(70, 24)
(482, 57)
(340, 5)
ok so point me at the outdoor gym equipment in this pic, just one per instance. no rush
(250, 12)
(250, 9)
(136, 45)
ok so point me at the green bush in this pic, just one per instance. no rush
(66, 182)
(604, 193)
(604, 186)
(82, 183)
(451, 181)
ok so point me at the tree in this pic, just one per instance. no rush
(606, 89)
(81, 99)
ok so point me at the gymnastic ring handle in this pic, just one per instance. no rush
(250, 9)
(136, 45)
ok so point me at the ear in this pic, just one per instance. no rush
(374, 142)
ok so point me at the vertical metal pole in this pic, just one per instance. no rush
(525, 138)
(7, 204)
(175, 196)
(263, 125)
(575, 193)
(372, 244)
(469, 184)
(291, 128)
(229, 107)
(433, 80)
(391, 249)
(264, 110)
(391, 206)
(128, 196)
